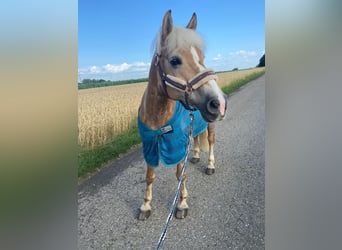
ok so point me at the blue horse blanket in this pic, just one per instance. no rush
(168, 144)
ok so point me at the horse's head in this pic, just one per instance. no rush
(184, 77)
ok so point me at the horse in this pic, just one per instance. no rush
(178, 83)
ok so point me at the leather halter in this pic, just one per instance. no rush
(186, 87)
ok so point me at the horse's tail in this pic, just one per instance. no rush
(203, 141)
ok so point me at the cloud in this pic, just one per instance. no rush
(241, 59)
(217, 57)
(115, 71)
(112, 68)
(94, 69)
(115, 68)
(243, 53)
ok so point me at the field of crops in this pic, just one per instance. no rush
(105, 112)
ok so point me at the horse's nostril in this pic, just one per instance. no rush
(214, 103)
(213, 106)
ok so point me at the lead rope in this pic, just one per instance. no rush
(176, 196)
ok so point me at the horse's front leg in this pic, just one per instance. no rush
(211, 139)
(145, 209)
(182, 208)
(196, 158)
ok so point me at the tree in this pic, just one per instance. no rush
(262, 61)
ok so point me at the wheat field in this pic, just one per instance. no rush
(105, 112)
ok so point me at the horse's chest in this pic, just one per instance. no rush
(168, 144)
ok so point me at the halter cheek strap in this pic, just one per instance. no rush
(186, 87)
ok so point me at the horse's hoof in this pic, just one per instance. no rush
(181, 213)
(144, 214)
(194, 160)
(210, 171)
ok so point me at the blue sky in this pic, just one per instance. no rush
(115, 38)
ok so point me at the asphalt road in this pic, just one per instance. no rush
(226, 209)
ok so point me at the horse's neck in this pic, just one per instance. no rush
(155, 109)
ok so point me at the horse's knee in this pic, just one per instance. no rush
(211, 133)
(150, 176)
(178, 175)
(150, 179)
(179, 172)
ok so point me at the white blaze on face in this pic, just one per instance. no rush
(196, 58)
(212, 83)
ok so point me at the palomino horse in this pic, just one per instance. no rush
(178, 82)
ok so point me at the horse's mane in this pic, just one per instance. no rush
(179, 38)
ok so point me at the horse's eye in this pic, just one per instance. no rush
(175, 61)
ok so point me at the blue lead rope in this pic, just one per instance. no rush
(176, 196)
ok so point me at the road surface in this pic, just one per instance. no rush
(226, 209)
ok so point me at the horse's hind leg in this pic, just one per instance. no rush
(196, 158)
(145, 209)
(211, 139)
(182, 208)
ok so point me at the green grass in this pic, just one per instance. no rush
(91, 160)
(235, 85)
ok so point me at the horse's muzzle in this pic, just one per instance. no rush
(217, 106)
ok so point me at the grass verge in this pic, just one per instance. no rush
(91, 160)
(235, 85)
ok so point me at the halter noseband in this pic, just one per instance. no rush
(184, 86)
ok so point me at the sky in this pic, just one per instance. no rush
(115, 38)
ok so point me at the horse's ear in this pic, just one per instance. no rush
(167, 25)
(193, 22)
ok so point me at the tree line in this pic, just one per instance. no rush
(94, 83)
